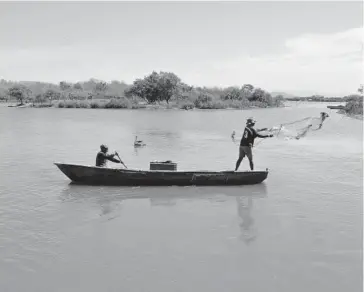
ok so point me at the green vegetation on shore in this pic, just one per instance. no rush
(354, 104)
(163, 89)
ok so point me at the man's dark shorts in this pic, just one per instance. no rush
(245, 151)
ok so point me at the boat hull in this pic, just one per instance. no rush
(336, 106)
(92, 175)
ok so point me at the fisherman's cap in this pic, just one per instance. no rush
(251, 120)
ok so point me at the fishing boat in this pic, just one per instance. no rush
(93, 175)
(24, 105)
(336, 106)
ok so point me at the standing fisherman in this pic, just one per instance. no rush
(247, 142)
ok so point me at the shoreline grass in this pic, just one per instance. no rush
(126, 103)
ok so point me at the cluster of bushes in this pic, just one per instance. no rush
(156, 88)
(167, 87)
(354, 105)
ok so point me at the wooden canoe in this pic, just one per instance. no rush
(336, 106)
(92, 175)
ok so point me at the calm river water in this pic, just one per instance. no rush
(301, 230)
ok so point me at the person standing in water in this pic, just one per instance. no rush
(323, 117)
(247, 143)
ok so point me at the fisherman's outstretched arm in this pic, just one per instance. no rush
(263, 136)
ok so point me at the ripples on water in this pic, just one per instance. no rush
(301, 230)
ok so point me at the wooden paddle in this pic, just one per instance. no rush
(117, 154)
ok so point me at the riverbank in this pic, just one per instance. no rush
(125, 103)
(353, 108)
(351, 114)
(157, 90)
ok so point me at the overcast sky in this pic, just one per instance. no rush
(299, 47)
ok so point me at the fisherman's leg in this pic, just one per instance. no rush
(249, 154)
(241, 156)
(251, 164)
(238, 163)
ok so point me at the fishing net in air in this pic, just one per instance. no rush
(297, 129)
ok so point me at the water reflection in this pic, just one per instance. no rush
(158, 134)
(110, 199)
(161, 133)
(80, 192)
(246, 225)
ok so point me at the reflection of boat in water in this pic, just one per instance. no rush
(110, 200)
(81, 192)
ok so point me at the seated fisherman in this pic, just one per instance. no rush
(102, 157)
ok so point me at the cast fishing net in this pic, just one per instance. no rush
(296, 129)
(293, 130)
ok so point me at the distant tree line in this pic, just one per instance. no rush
(41, 92)
(153, 88)
(317, 98)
